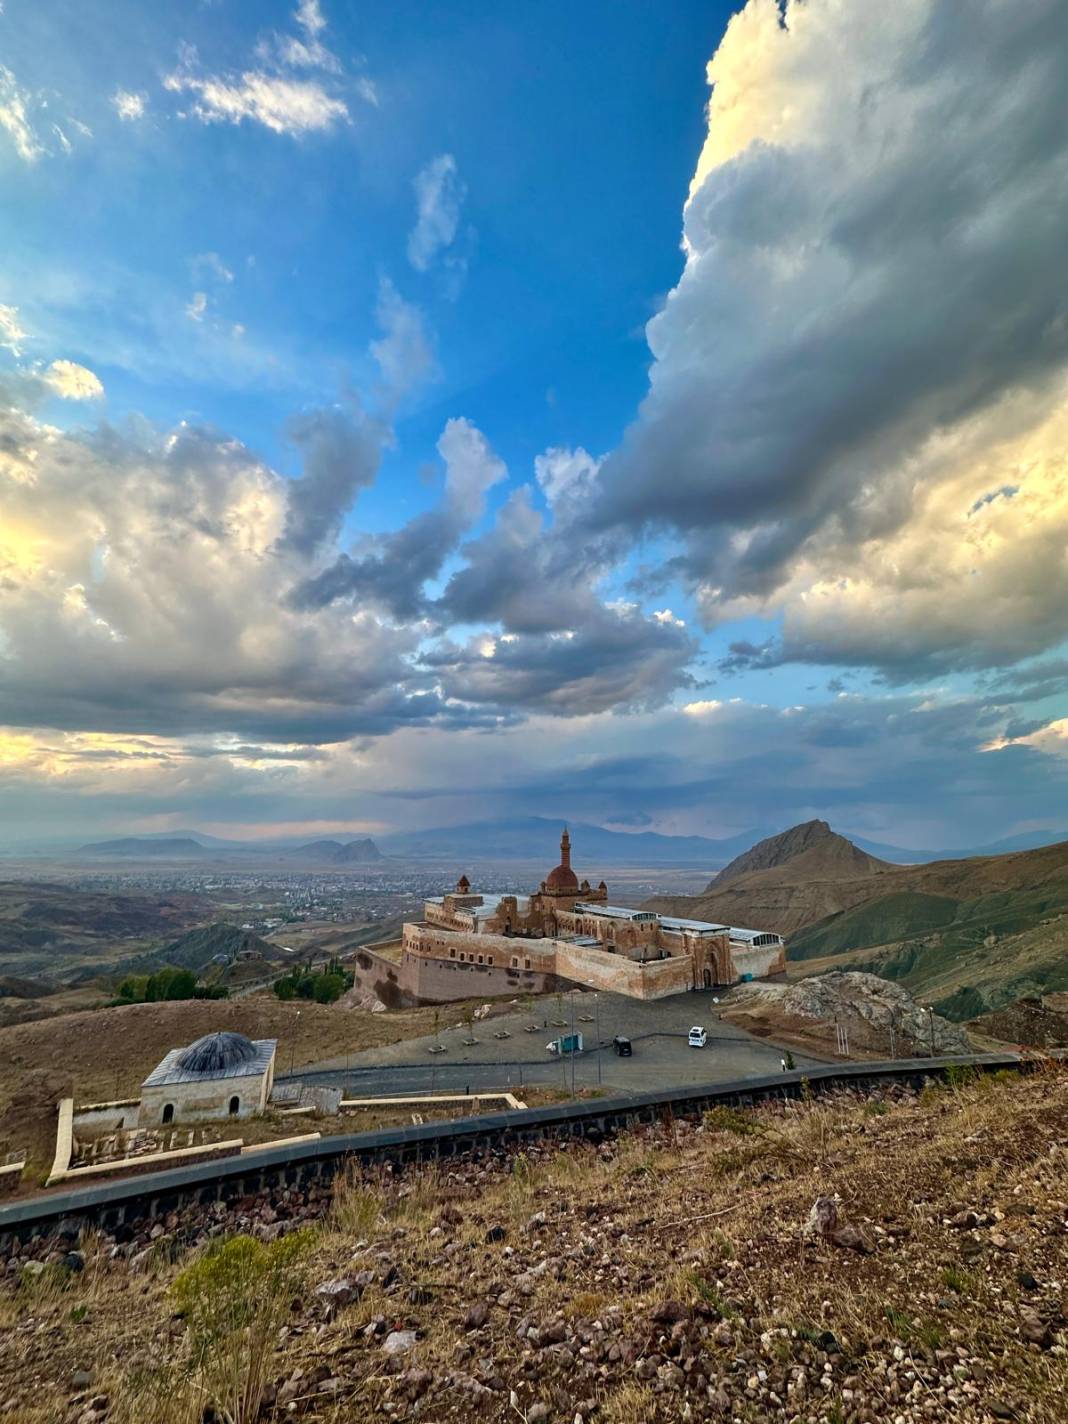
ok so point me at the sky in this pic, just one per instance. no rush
(415, 413)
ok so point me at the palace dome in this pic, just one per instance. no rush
(216, 1052)
(562, 878)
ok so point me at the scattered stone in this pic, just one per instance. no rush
(824, 1220)
(477, 1316)
(336, 1293)
(397, 1342)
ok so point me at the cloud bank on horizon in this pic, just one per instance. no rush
(822, 571)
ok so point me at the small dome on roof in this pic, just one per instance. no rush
(216, 1052)
(562, 878)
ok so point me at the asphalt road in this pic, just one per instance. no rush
(657, 1031)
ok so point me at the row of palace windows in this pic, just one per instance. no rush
(485, 959)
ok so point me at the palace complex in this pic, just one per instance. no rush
(566, 933)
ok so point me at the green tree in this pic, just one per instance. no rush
(328, 988)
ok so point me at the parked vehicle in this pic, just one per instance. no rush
(623, 1046)
(698, 1037)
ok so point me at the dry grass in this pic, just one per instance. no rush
(712, 1216)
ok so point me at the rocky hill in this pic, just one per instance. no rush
(881, 1019)
(897, 1257)
(811, 849)
(967, 935)
(786, 882)
(197, 949)
(329, 852)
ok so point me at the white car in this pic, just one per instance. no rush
(698, 1037)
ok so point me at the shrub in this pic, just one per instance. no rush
(234, 1298)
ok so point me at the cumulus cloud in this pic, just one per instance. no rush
(873, 288)
(342, 450)
(143, 580)
(439, 194)
(197, 306)
(73, 382)
(618, 660)
(129, 105)
(566, 476)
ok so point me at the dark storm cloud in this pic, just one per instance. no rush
(342, 450)
(619, 660)
(392, 572)
(887, 265)
(524, 578)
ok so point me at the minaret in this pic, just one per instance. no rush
(565, 849)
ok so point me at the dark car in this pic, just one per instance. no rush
(623, 1046)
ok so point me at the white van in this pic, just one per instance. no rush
(698, 1037)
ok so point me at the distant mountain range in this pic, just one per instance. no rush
(194, 847)
(532, 838)
(537, 838)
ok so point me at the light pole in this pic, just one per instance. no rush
(573, 1044)
(930, 1021)
(597, 1030)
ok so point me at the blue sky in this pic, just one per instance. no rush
(406, 284)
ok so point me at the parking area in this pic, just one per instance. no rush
(658, 1032)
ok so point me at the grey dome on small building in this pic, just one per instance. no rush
(216, 1052)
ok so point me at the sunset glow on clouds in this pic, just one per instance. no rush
(298, 519)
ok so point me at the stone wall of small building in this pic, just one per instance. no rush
(207, 1100)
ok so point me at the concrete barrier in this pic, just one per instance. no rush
(64, 1139)
(302, 1162)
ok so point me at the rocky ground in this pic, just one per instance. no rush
(898, 1257)
(881, 1019)
(1041, 1022)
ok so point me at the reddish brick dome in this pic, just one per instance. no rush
(562, 878)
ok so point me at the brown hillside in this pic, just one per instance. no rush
(806, 889)
(663, 1275)
(824, 853)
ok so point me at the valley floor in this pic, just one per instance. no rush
(663, 1275)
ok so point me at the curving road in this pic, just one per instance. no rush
(657, 1031)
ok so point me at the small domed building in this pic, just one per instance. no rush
(220, 1075)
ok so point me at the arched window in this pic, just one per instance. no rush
(235, 1105)
(168, 1113)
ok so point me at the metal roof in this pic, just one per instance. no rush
(614, 912)
(169, 1071)
(674, 922)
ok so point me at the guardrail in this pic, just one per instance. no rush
(297, 1164)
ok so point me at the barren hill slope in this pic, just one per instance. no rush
(811, 847)
(788, 881)
(809, 889)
